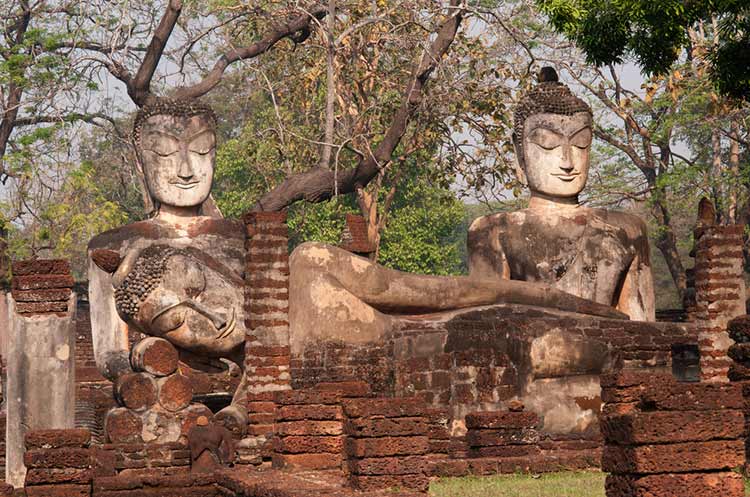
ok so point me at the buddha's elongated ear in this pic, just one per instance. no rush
(520, 163)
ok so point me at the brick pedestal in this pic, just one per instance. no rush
(664, 438)
(386, 444)
(267, 356)
(719, 294)
(739, 371)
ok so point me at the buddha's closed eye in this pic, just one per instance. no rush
(545, 138)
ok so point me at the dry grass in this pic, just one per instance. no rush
(587, 484)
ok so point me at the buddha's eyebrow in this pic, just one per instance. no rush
(199, 133)
(587, 126)
(548, 128)
(165, 134)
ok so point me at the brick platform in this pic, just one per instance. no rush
(664, 438)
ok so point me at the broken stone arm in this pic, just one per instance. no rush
(636, 297)
(109, 332)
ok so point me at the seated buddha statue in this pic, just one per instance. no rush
(177, 275)
(557, 253)
(596, 254)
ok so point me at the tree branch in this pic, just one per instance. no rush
(300, 24)
(319, 184)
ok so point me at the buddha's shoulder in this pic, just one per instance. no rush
(498, 220)
(633, 225)
(152, 229)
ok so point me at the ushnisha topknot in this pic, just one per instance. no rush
(170, 107)
(549, 96)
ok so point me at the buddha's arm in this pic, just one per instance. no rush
(394, 291)
(486, 257)
(636, 298)
(109, 332)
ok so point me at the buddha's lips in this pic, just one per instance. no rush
(567, 177)
(184, 186)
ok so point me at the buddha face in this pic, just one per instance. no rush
(178, 154)
(556, 152)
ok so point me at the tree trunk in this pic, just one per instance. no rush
(734, 169)
(666, 242)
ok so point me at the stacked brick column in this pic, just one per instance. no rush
(719, 294)
(502, 434)
(155, 400)
(386, 444)
(42, 286)
(664, 438)
(267, 356)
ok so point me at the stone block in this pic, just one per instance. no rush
(306, 461)
(417, 482)
(381, 427)
(694, 396)
(40, 266)
(56, 476)
(55, 439)
(59, 491)
(309, 397)
(310, 412)
(346, 388)
(389, 465)
(39, 281)
(43, 295)
(41, 307)
(121, 425)
(386, 407)
(673, 426)
(290, 428)
(676, 458)
(505, 451)
(489, 438)
(501, 419)
(387, 446)
(67, 457)
(724, 484)
(309, 445)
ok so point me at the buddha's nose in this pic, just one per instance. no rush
(185, 170)
(567, 167)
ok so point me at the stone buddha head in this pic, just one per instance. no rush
(552, 137)
(176, 147)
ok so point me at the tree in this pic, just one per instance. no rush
(656, 33)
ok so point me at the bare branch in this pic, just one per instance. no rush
(320, 183)
(300, 24)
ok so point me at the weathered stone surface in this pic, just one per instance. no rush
(40, 266)
(674, 458)
(309, 444)
(381, 427)
(137, 391)
(387, 446)
(155, 356)
(54, 439)
(365, 483)
(389, 465)
(387, 407)
(59, 491)
(54, 476)
(310, 412)
(726, 484)
(309, 428)
(121, 425)
(306, 461)
(43, 295)
(673, 427)
(501, 419)
(67, 457)
(175, 392)
(41, 281)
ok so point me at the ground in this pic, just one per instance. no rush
(588, 484)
